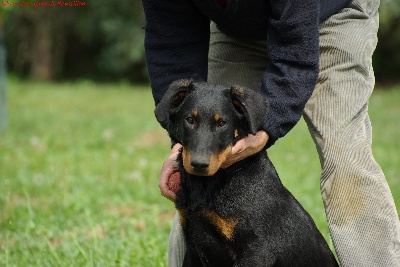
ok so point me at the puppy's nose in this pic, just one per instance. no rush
(200, 163)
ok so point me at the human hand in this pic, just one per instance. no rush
(246, 147)
(169, 167)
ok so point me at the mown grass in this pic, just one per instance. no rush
(79, 168)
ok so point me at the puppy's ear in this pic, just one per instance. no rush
(172, 100)
(251, 105)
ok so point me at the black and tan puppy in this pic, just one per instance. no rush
(241, 215)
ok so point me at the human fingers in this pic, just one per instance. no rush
(169, 167)
(246, 147)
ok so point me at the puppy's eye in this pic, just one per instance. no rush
(221, 123)
(189, 120)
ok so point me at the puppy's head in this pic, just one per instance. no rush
(208, 120)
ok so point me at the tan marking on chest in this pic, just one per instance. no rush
(226, 226)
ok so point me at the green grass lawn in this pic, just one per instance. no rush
(79, 168)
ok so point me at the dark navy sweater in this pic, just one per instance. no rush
(177, 38)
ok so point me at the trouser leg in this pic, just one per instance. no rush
(360, 210)
(236, 62)
(176, 244)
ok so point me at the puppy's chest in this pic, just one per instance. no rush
(203, 221)
(209, 209)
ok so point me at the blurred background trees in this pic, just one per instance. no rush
(103, 41)
(387, 55)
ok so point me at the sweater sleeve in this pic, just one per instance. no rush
(176, 43)
(293, 46)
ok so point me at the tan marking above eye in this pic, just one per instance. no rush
(185, 83)
(195, 113)
(237, 91)
(216, 117)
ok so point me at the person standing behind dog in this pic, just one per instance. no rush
(310, 58)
